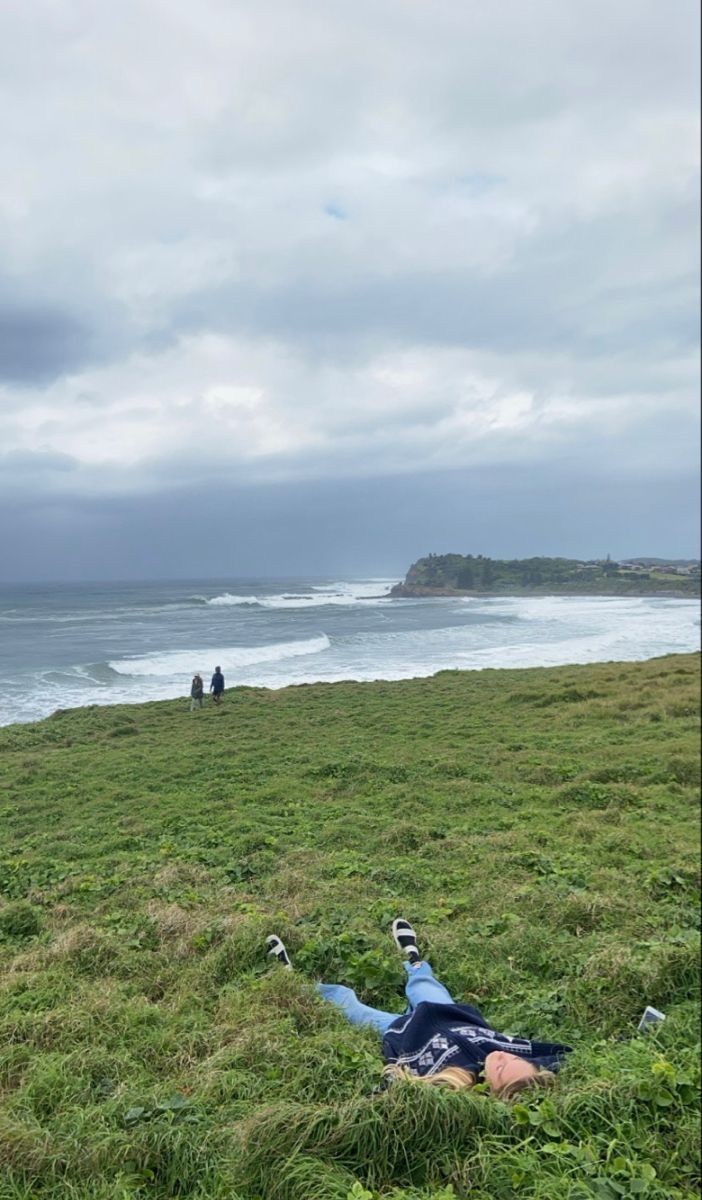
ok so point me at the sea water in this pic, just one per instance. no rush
(67, 645)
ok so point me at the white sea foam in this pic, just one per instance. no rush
(357, 589)
(180, 663)
(227, 600)
(367, 591)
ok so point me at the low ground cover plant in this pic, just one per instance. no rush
(538, 826)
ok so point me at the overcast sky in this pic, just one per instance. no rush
(313, 285)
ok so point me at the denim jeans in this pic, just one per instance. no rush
(420, 986)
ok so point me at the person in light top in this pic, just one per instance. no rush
(197, 688)
(437, 1041)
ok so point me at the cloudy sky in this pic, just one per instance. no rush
(313, 285)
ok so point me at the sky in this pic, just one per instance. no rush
(295, 286)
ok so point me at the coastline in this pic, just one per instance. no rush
(320, 685)
(142, 644)
(404, 591)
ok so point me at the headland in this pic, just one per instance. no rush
(477, 575)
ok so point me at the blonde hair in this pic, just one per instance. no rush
(457, 1079)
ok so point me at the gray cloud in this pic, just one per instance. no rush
(305, 243)
(34, 463)
(349, 526)
(38, 344)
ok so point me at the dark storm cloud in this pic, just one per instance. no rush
(38, 344)
(373, 526)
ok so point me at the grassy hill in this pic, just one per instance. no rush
(540, 826)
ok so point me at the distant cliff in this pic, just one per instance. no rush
(461, 574)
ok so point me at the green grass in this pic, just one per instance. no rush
(539, 826)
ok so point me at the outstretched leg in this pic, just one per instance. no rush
(422, 985)
(336, 993)
(357, 1013)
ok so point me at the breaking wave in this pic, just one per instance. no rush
(184, 662)
(227, 599)
(368, 591)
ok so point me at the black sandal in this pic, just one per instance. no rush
(276, 949)
(406, 939)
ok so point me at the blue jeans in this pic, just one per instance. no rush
(420, 986)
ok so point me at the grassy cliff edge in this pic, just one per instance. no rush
(539, 825)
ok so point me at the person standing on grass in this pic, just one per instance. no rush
(197, 691)
(437, 1041)
(217, 685)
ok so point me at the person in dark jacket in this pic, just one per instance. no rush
(197, 690)
(217, 685)
(438, 1041)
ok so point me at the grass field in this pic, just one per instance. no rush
(540, 826)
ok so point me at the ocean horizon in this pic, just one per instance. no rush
(68, 645)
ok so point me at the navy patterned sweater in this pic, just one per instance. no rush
(434, 1036)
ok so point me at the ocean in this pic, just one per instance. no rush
(65, 645)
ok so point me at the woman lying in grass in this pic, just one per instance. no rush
(438, 1041)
